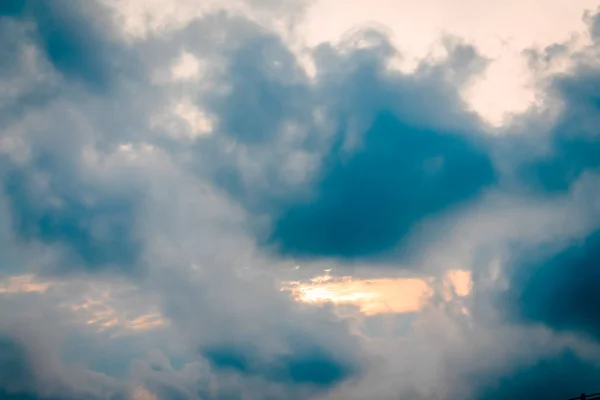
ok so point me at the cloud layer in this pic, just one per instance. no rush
(159, 188)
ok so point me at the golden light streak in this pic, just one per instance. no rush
(374, 296)
(457, 283)
(147, 321)
(100, 307)
(104, 316)
(377, 296)
(23, 284)
(461, 282)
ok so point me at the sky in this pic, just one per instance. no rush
(299, 199)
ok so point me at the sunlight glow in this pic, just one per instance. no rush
(100, 306)
(377, 296)
(23, 284)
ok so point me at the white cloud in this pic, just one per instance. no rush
(187, 67)
(140, 18)
(500, 31)
(197, 121)
(183, 120)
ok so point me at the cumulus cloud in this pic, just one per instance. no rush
(161, 180)
(354, 122)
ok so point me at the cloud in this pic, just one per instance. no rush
(573, 146)
(558, 138)
(568, 374)
(552, 282)
(312, 366)
(365, 205)
(73, 39)
(14, 365)
(32, 362)
(558, 288)
(234, 331)
(393, 148)
(505, 87)
(44, 137)
(95, 229)
(120, 202)
(141, 19)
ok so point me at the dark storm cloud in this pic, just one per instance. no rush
(385, 152)
(562, 377)
(401, 148)
(365, 205)
(55, 196)
(16, 374)
(267, 90)
(553, 159)
(57, 199)
(305, 365)
(556, 283)
(20, 378)
(15, 371)
(232, 327)
(95, 225)
(51, 193)
(560, 289)
(74, 36)
(12, 7)
(574, 142)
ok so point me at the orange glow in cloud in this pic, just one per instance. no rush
(460, 281)
(99, 313)
(377, 296)
(23, 284)
(98, 308)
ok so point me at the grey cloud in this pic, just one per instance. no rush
(50, 127)
(558, 288)
(594, 24)
(75, 38)
(552, 283)
(380, 127)
(96, 233)
(376, 153)
(229, 322)
(557, 142)
(564, 376)
(32, 364)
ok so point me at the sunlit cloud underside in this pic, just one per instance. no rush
(99, 307)
(378, 296)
